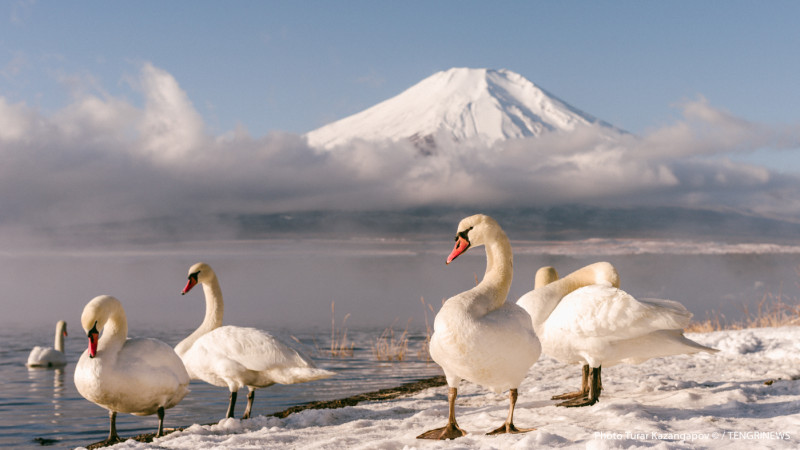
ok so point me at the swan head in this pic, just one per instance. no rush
(544, 276)
(94, 317)
(61, 327)
(198, 273)
(473, 231)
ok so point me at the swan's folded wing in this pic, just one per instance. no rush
(602, 311)
(258, 352)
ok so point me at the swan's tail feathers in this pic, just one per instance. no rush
(667, 314)
(300, 375)
(659, 344)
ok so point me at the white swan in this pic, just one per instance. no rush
(585, 318)
(478, 336)
(235, 357)
(50, 356)
(139, 376)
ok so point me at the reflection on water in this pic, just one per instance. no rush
(42, 406)
(48, 381)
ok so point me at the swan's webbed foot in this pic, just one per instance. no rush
(509, 428)
(582, 392)
(450, 431)
(577, 402)
(591, 396)
(570, 395)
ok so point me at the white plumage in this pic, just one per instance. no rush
(234, 357)
(477, 335)
(140, 376)
(50, 357)
(585, 318)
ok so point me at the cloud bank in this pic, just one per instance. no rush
(104, 160)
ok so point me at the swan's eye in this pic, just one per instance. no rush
(194, 276)
(464, 234)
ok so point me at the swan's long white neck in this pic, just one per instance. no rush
(58, 343)
(541, 302)
(499, 269)
(114, 335)
(215, 309)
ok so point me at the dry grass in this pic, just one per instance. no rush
(340, 347)
(424, 353)
(772, 311)
(388, 347)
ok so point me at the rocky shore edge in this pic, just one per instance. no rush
(383, 394)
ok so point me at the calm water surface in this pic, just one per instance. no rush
(42, 407)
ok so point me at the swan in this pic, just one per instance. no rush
(50, 356)
(478, 336)
(139, 376)
(234, 357)
(585, 318)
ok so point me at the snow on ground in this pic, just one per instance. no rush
(745, 396)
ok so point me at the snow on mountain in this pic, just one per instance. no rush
(479, 106)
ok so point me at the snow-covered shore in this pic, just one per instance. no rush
(745, 396)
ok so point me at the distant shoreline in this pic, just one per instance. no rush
(383, 394)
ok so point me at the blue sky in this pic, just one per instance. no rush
(107, 106)
(294, 66)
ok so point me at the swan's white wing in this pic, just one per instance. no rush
(602, 311)
(46, 357)
(249, 356)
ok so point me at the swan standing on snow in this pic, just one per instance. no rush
(235, 357)
(138, 376)
(50, 356)
(477, 335)
(585, 318)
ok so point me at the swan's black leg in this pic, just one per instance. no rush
(250, 396)
(584, 390)
(160, 431)
(595, 385)
(231, 404)
(113, 437)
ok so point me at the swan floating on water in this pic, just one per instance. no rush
(585, 318)
(50, 357)
(139, 376)
(234, 357)
(478, 336)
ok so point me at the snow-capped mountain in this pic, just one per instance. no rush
(479, 106)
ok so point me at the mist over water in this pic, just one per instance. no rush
(290, 284)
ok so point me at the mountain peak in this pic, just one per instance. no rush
(480, 106)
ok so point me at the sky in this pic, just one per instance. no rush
(295, 66)
(169, 116)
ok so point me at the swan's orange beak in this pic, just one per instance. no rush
(190, 284)
(94, 336)
(461, 246)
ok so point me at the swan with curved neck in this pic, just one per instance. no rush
(234, 357)
(478, 336)
(585, 318)
(50, 357)
(137, 376)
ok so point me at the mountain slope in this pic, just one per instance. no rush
(480, 106)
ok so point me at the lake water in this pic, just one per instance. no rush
(289, 286)
(42, 407)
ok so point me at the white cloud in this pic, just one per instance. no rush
(102, 160)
